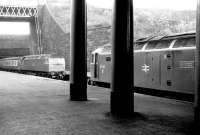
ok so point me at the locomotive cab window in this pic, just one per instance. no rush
(184, 42)
(158, 44)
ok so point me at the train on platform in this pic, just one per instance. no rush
(43, 65)
(161, 64)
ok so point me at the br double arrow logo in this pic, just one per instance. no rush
(145, 68)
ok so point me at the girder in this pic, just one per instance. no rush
(18, 11)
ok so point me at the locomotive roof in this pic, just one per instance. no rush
(106, 49)
(181, 35)
(9, 58)
(167, 37)
(38, 56)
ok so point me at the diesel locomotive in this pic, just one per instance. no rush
(43, 64)
(162, 63)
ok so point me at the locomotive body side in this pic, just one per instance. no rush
(35, 63)
(43, 63)
(165, 64)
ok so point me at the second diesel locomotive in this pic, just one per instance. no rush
(163, 63)
(43, 64)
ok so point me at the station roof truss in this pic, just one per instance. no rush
(18, 11)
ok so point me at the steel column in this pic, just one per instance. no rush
(122, 102)
(78, 64)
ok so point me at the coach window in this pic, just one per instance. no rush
(138, 46)
(185, 42)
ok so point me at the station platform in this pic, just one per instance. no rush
(31, 105)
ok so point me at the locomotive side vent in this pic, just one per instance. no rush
(169, 83)
(108, 58)
(169, 67)
(168, 55)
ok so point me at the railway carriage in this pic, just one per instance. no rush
(12, 63)
(163, 63)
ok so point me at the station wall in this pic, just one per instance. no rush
(54, 40)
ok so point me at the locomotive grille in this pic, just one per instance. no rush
(186, 64)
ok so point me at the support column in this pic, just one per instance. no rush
(78, 64)
(122, 99)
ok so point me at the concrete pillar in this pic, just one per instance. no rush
(78, 64)
(122, 102)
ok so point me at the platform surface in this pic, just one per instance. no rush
(31, 105)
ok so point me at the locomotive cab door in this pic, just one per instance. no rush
(104, 74)
(94, 67)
